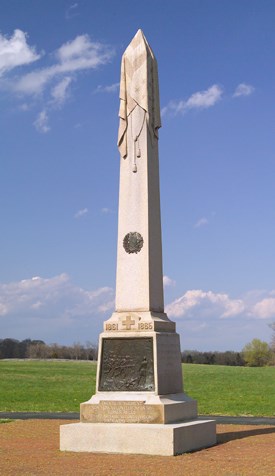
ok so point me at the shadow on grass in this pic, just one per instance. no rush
(238, 435)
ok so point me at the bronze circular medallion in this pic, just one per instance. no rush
(133, 242)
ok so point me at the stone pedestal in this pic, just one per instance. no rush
(165, 440)
(139, 406)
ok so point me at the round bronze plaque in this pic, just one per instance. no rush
(133, 242)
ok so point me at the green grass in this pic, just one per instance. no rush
(223, 390)
(62, 386)
(52, 386)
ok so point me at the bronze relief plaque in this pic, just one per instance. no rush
(127, 365)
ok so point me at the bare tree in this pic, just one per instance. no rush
(38, 351)
(77, 349)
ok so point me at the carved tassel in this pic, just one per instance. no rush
(135, 163)
(138, 148)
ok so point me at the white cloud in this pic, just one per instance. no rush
(36, 305)
(81, 212)
(106, 210)
(198, 100)
(197, 304)
(15, 51)
(203, 303)
(3, 309)
(168, 281)
(51, 83)
(204, 99)
(57, 310)
(24, 107)
(34, 82)
(41, 123)
(73, 56)
(243, 90)
(112, 88)
(79, 49)
(265, 308)
(72, 12)
(27, 293)
(108, 306)
(201, 222)
(164, 110)
(60, 91)
(52, 298)
(98, 292)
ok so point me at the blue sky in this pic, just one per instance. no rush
(59, 75)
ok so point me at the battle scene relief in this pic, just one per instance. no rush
(127, 365)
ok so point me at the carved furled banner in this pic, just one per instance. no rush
(127, 365)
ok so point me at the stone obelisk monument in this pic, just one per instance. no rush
(139, 405)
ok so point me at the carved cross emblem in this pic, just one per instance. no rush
(128, 323)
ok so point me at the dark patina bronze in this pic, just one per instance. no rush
(127, 365)
(133, 242)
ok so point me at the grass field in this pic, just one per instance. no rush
(45, 385)
(61, 386)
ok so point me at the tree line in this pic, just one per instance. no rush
(213, 358)
(38, 349)
(255, 354)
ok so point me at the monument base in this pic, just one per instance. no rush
(126, 407)
(134, 438)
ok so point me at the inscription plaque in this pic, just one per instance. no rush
(121, 412)
(127, 365)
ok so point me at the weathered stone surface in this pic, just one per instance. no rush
(165, 440)
(168, 367)
(122, 412)
(147, 409)
(139, 321)
(139, 281)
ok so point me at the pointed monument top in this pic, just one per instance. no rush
(139, 41)
(140, 34)
(138, 86)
